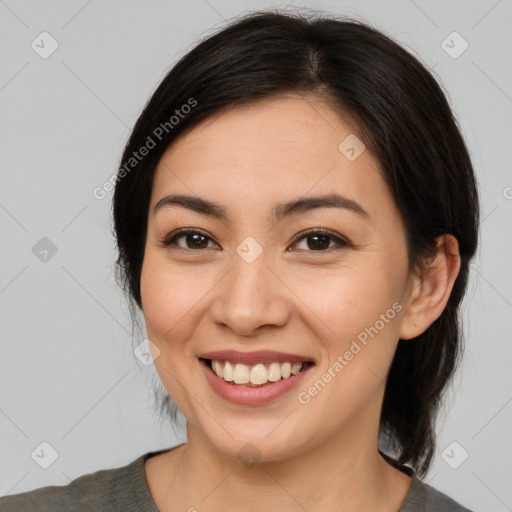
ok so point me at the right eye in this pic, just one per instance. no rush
(194, 239)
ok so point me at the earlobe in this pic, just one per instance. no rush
(430, 291)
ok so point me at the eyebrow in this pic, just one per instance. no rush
(279, 212)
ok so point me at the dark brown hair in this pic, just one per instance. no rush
(405, 121)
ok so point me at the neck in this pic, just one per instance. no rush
(345, 472)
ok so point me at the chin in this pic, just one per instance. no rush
(257, 443)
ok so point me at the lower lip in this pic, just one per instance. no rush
(246, 395)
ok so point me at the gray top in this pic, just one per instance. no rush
(126, 489)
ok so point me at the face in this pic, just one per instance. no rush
(317, 282)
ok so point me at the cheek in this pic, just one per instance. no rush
(170, 303)
(357, 314)
(346, 301)
(358, 317)
(170, 298)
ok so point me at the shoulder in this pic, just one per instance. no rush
(425, 498)
(422, 497)
(123, 488)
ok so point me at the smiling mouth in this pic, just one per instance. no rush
(256, 376)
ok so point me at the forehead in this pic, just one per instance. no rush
(267, 151)
(286, 122)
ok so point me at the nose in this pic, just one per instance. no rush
(251, 298)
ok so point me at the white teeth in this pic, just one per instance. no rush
(241, 374)
(256, 375)
(296, 368)
(217, 368)
(274, 372)
(286, 370)
(228, 372)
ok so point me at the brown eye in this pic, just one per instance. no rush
(320, 241)
(193, 239)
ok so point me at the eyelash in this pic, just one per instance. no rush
(340, 242)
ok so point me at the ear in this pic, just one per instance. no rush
(430, 288)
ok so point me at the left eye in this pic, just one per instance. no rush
(320, 240)
(316, 241)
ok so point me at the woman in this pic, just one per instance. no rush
(295, 213)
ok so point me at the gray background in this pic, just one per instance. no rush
(68, 373)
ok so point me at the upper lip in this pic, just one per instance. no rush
(252, 358)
